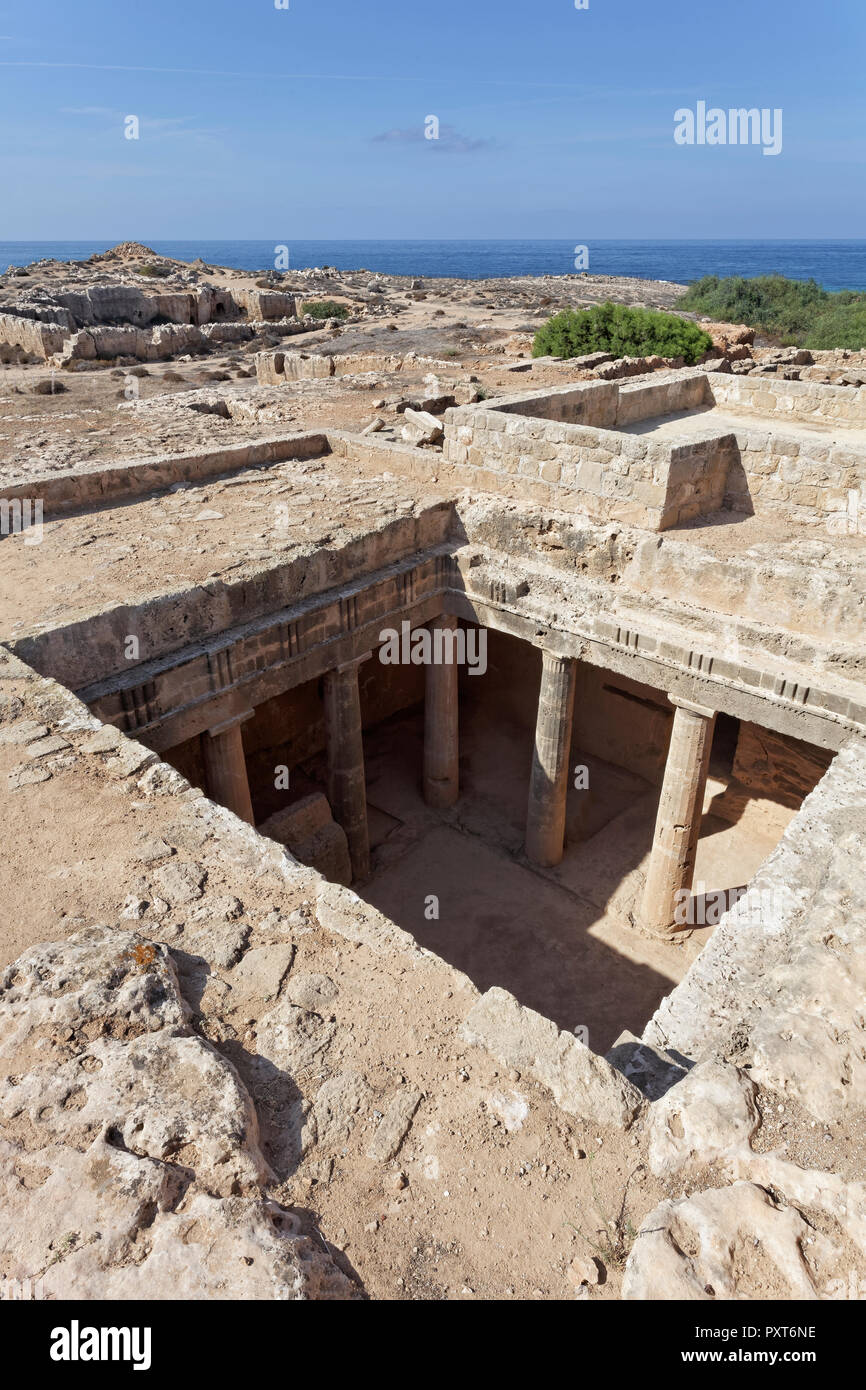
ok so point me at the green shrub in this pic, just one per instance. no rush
(157, 271)
(793, 311)
(843, 326)
(622, 331)
(326, 309)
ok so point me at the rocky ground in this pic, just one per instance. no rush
(222, 1076)
(471, 334)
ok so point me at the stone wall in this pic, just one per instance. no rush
(778, 399)
(612, 404)
(31, 335)
(276, 368)
(267, 305)
(661, 395)
(777, 768)
(106, 321)
(607, 475)
(622, 721)
(807, 479)
(567, 447)
(163, 341)
(65, 492)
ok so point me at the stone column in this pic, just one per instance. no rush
(347, 788)
(678, 823)
(226, 767)
(441, 748)
(548, 785)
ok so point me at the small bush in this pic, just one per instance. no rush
(843, 326)
(325, 309)
(622, 331)
(49, 387)
(155, 271)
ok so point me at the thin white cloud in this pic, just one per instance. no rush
(155, 127)
(299, 76)
(448, 141)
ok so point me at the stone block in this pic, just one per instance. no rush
(310, 833)
(581, 1082)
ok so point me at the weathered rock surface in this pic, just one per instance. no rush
(130, 1157)
(731, 1242)
(309, 831)
(711, 1114)
(421, 427)
(582, 1083)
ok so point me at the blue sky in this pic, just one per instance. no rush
(309, 122)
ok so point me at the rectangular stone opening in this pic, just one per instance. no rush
(266, 689)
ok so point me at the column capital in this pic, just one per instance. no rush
(226, 724)
(692, 707)
(551, 656)
(353, 662)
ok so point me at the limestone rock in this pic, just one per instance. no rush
(101, 1224)
(582, 1083)
(292, 1038)
(421, 427)
(221, 943)
(648, 1068)
(340, 910)
(309, 831)
(709, 1115)
(311, 991)
(730, 1242)
(260, 973)
(394, 1125)
(100, 979)
(180, 883)
(511, 1109)
(787, 995)
(129, 1159)
(334, 1108)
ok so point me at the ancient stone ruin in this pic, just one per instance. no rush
(434, 845)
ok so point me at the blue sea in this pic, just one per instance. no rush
(834, 264)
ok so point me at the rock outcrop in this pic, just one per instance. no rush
(130, 1157)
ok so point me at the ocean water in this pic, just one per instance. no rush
(834, 264)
